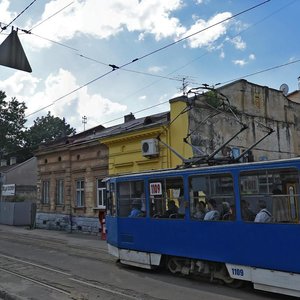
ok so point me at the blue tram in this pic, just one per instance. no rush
(230, 222)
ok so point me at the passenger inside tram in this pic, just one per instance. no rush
(136, 209)
(247, 213)
(172, 210)
(263, 216)
(200, 210)
(213, 214)
(226, 213)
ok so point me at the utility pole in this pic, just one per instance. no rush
(185, 82)
(84, 121)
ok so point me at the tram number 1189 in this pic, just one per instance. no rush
(237, 272)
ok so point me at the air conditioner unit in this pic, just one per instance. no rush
(150, 147)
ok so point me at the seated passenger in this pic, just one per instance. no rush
(247, 213)
(135, 211)
(226, 211)
(172, 209)
(200, 210)
(263, 216)
(212, 214)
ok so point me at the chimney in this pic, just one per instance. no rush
(12, 160)
(3, 163)
(129, 117)
(299, 83)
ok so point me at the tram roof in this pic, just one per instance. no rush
(207, 167)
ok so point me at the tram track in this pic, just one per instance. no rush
(64, 282)
(62, 246)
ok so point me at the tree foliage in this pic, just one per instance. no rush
(47, 129)
(16, 140)
(12, 122)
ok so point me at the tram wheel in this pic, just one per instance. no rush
(173, 265)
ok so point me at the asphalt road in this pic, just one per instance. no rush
(42, 264)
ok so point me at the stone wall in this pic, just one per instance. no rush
(64, 222)
(259, 107)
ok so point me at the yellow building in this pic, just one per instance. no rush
(149, 143)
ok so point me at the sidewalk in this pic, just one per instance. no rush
(74, 238)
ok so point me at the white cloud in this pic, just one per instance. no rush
(155, 69)
(252, 57)
(207, 37)
(96, 107)
(292, 58)
(20, 83)
(143, 97)
(104, 19)
(243, 62)
(6, 15)
(238, 43)
(240, 62)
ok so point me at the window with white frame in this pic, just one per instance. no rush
(101, 200)
(45, 192)
(59, 191)
(80, 193)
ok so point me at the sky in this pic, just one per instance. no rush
(157, 44)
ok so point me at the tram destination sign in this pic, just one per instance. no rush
(155, 188)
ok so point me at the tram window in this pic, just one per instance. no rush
(131, 199)
(270, 195)
(166, 198)
(212, 197)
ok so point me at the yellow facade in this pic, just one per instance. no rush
(125, 153)
(178, 130)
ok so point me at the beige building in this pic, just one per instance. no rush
(70, 188)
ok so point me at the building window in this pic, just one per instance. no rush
(59, 191)
(101, 200)
(80, 193)
(45, 192)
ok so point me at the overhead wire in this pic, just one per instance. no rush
(259, 72)
(199, 31)
(129, 70)
(4, 28)
(133, 71)
(115, 67)
(207, 52)
(49, 40)
(29, 31)
(51, 16)
(197, 58)
(139, 111)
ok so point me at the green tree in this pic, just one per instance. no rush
(12, 126)
(47, 129)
